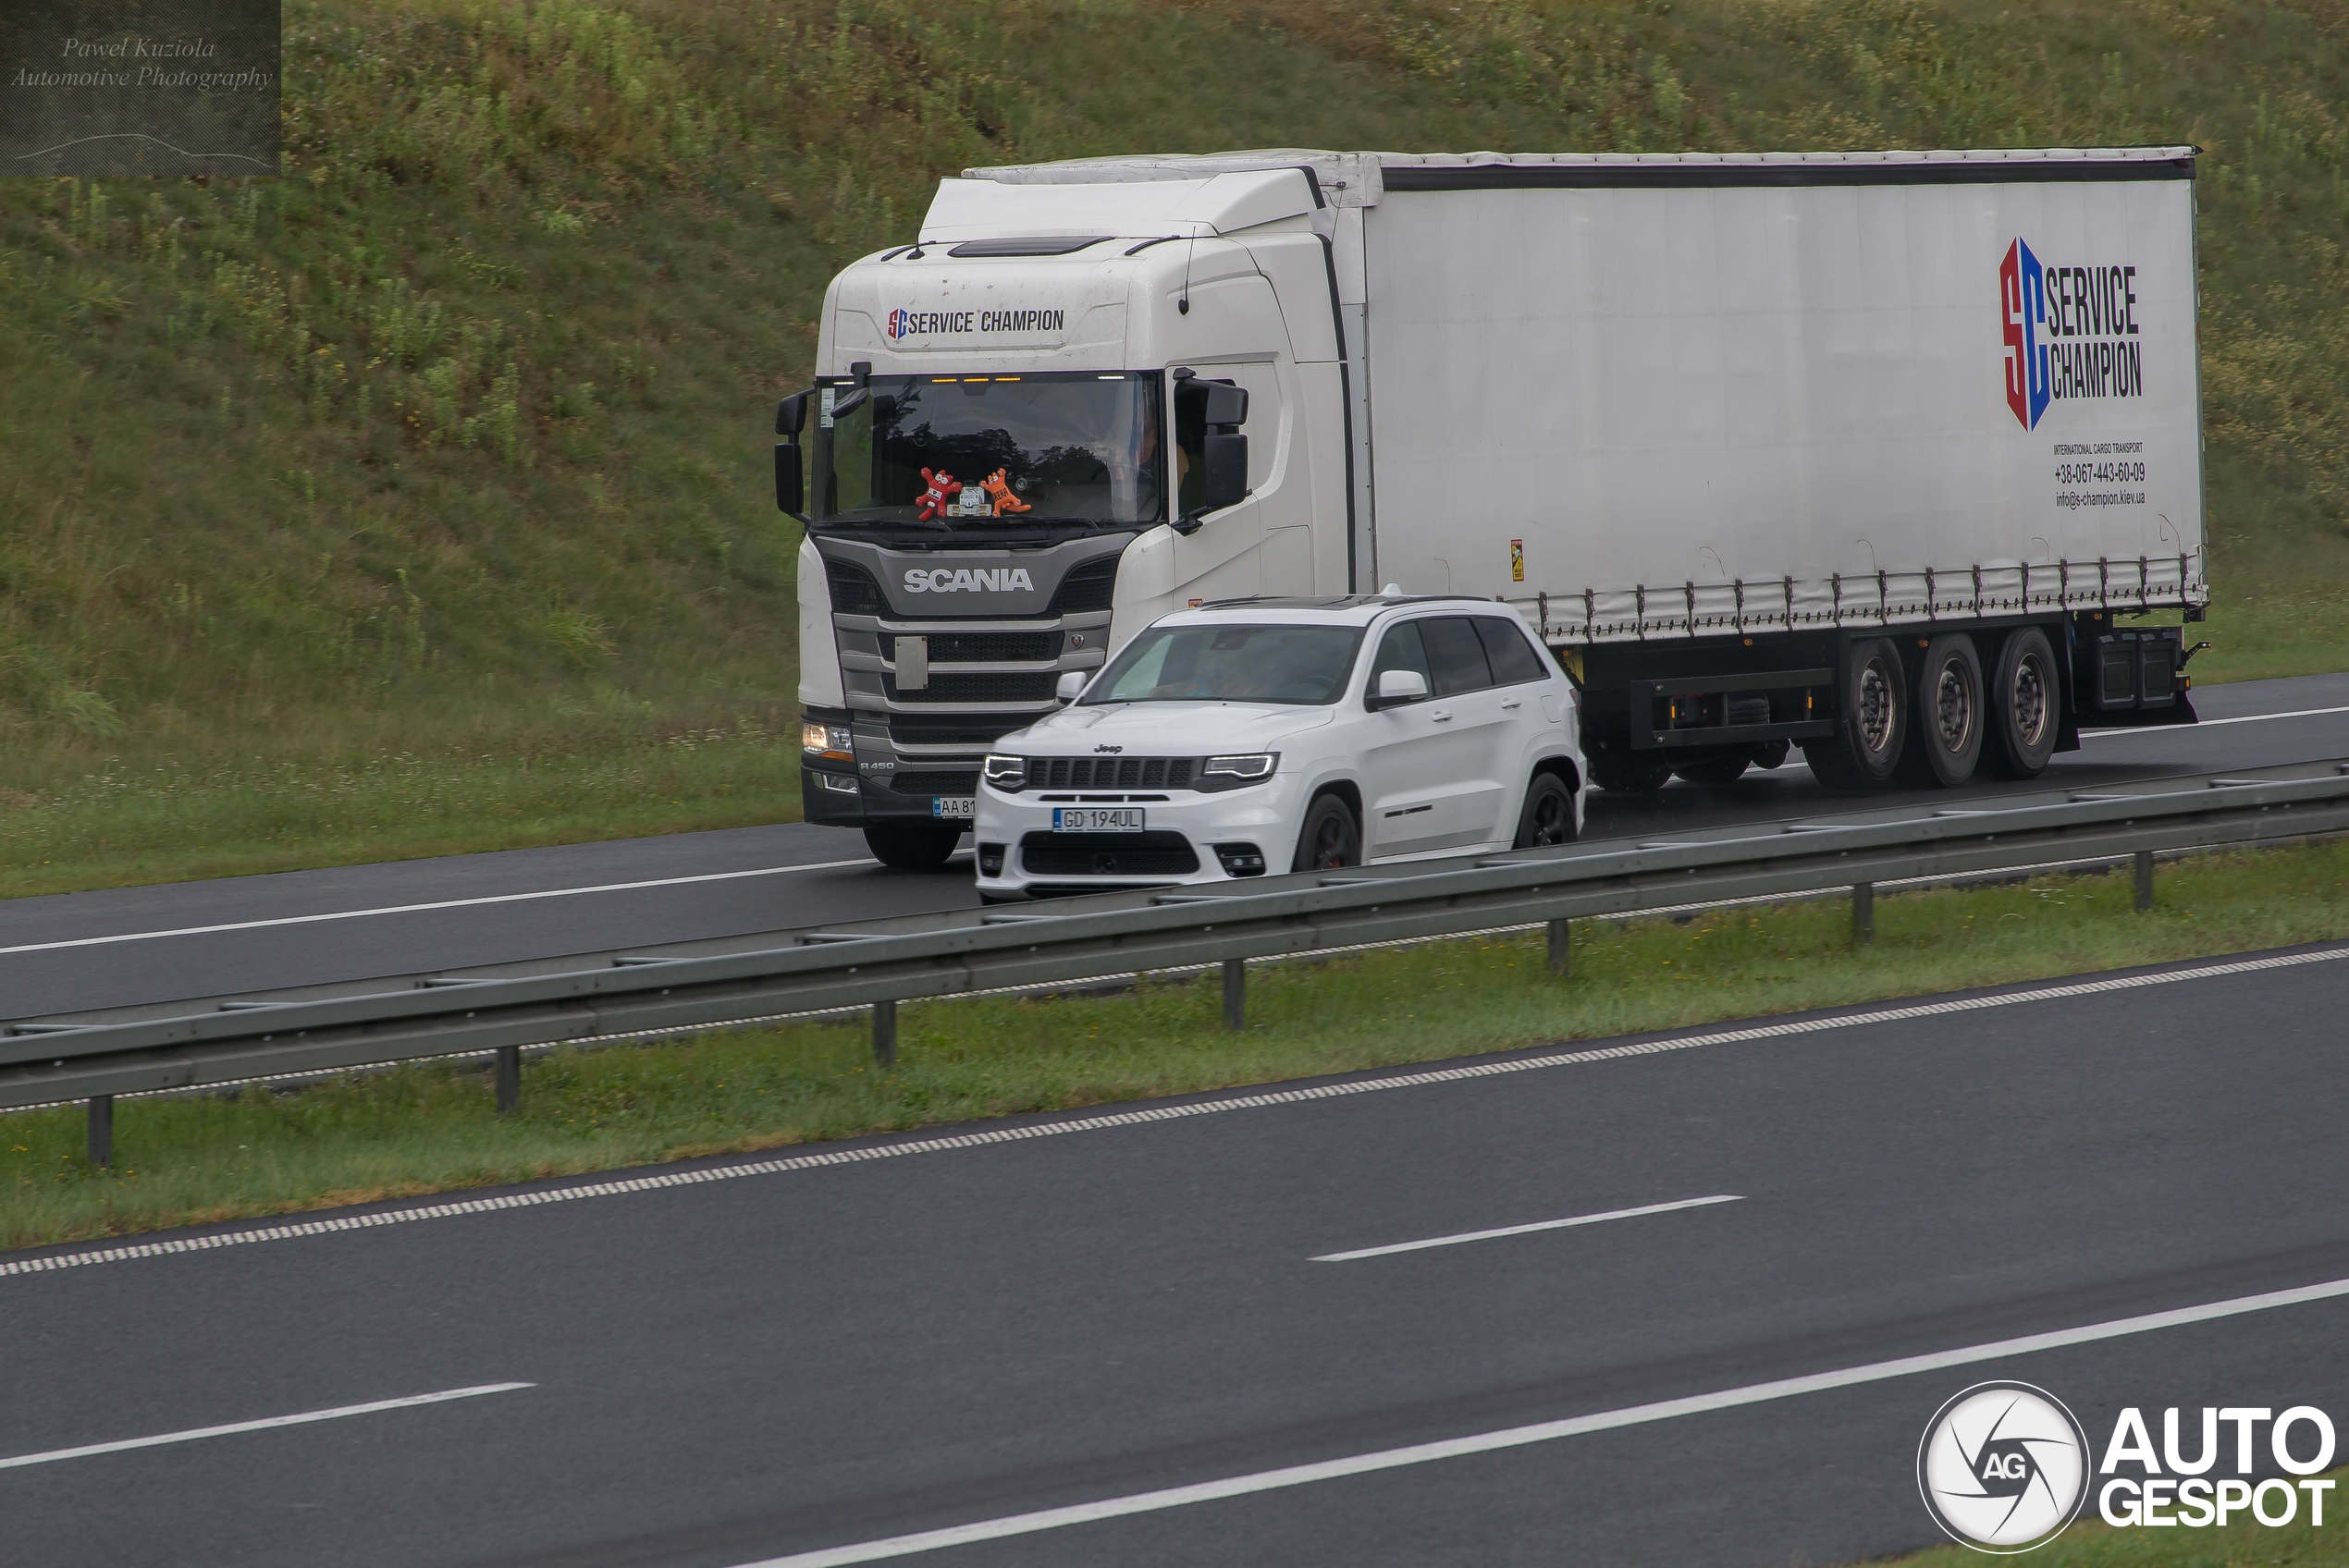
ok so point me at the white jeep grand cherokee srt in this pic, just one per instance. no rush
(1262, 735)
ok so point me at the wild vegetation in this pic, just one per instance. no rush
(435, 467)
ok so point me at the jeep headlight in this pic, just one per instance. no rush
(1248, 769)
(1006, 772)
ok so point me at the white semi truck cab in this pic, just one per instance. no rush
(1865, 453)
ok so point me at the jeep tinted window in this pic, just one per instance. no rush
(1454, 656)
(1513, 660)
(1399, 649)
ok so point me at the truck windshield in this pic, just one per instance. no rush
(988, 451)
(1230, 664)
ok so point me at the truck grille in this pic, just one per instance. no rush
(983, 647)
(936, 783)
(946, 688)
(1086, 588)
(972, 730)
(853, 590)
(1110, 773)
(1107, 854)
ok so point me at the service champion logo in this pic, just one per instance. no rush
(897, 324)
(2003, 1467)
(2070, 332)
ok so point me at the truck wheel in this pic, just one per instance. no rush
(1947, 734)
(912, 846)
(2026, 706)
(1714, 770)
(1331, 840)
(1873, 705)
(1612, 770)
(1548, 816)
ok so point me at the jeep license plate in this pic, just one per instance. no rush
(1096, 819)
(957, 807)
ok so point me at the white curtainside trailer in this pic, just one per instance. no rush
(1868, 453)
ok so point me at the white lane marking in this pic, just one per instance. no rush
(857, 1154)
(1541, 1432)
(18, 1461)
(2205, 724)
(1526, 1229)
(422, 909)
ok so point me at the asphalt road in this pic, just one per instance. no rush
(737, 1371)
(496, 909)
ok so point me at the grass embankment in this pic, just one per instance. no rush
(449, 445)
(2242, 1543)
(430, 1127)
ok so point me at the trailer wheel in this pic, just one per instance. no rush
(1612, 770)
(2026, 705)
(912, 846)
(1946, 734)
(1548, 816)
(1332, 839)
(1873, 705)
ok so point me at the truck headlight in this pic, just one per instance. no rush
(1248, 769)
(1006, 773)
(819, 740)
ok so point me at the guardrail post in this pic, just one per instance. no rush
(885, 1035)
(1235, 994)
(102, 1130)
(1863, 913)
(1560, 947)
(509, 1080)
(2145, 880)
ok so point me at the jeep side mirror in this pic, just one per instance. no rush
(1397, 687)
(1070, 686)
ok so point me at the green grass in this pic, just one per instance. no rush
(127, 825)
(457, 432)
(2242, 1543)
(430, 1127)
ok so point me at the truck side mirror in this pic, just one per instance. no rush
(790, 414)
(861, 376)
(1070, 686)
(1224, 482)
(788, 486)
(1397, 687)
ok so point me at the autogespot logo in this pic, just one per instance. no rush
(2003, 1467)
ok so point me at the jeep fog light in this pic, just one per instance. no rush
(990, 860)
(1240, 859)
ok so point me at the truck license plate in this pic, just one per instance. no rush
(1096, 819)
(959, 807)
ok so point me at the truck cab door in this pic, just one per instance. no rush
(1226, 558)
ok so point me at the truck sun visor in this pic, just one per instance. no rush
(1028, 245)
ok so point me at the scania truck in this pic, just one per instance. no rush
(1888, 456)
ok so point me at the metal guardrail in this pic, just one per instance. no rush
(878, 963)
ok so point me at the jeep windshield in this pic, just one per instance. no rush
(991, 451)
(1299, 665)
